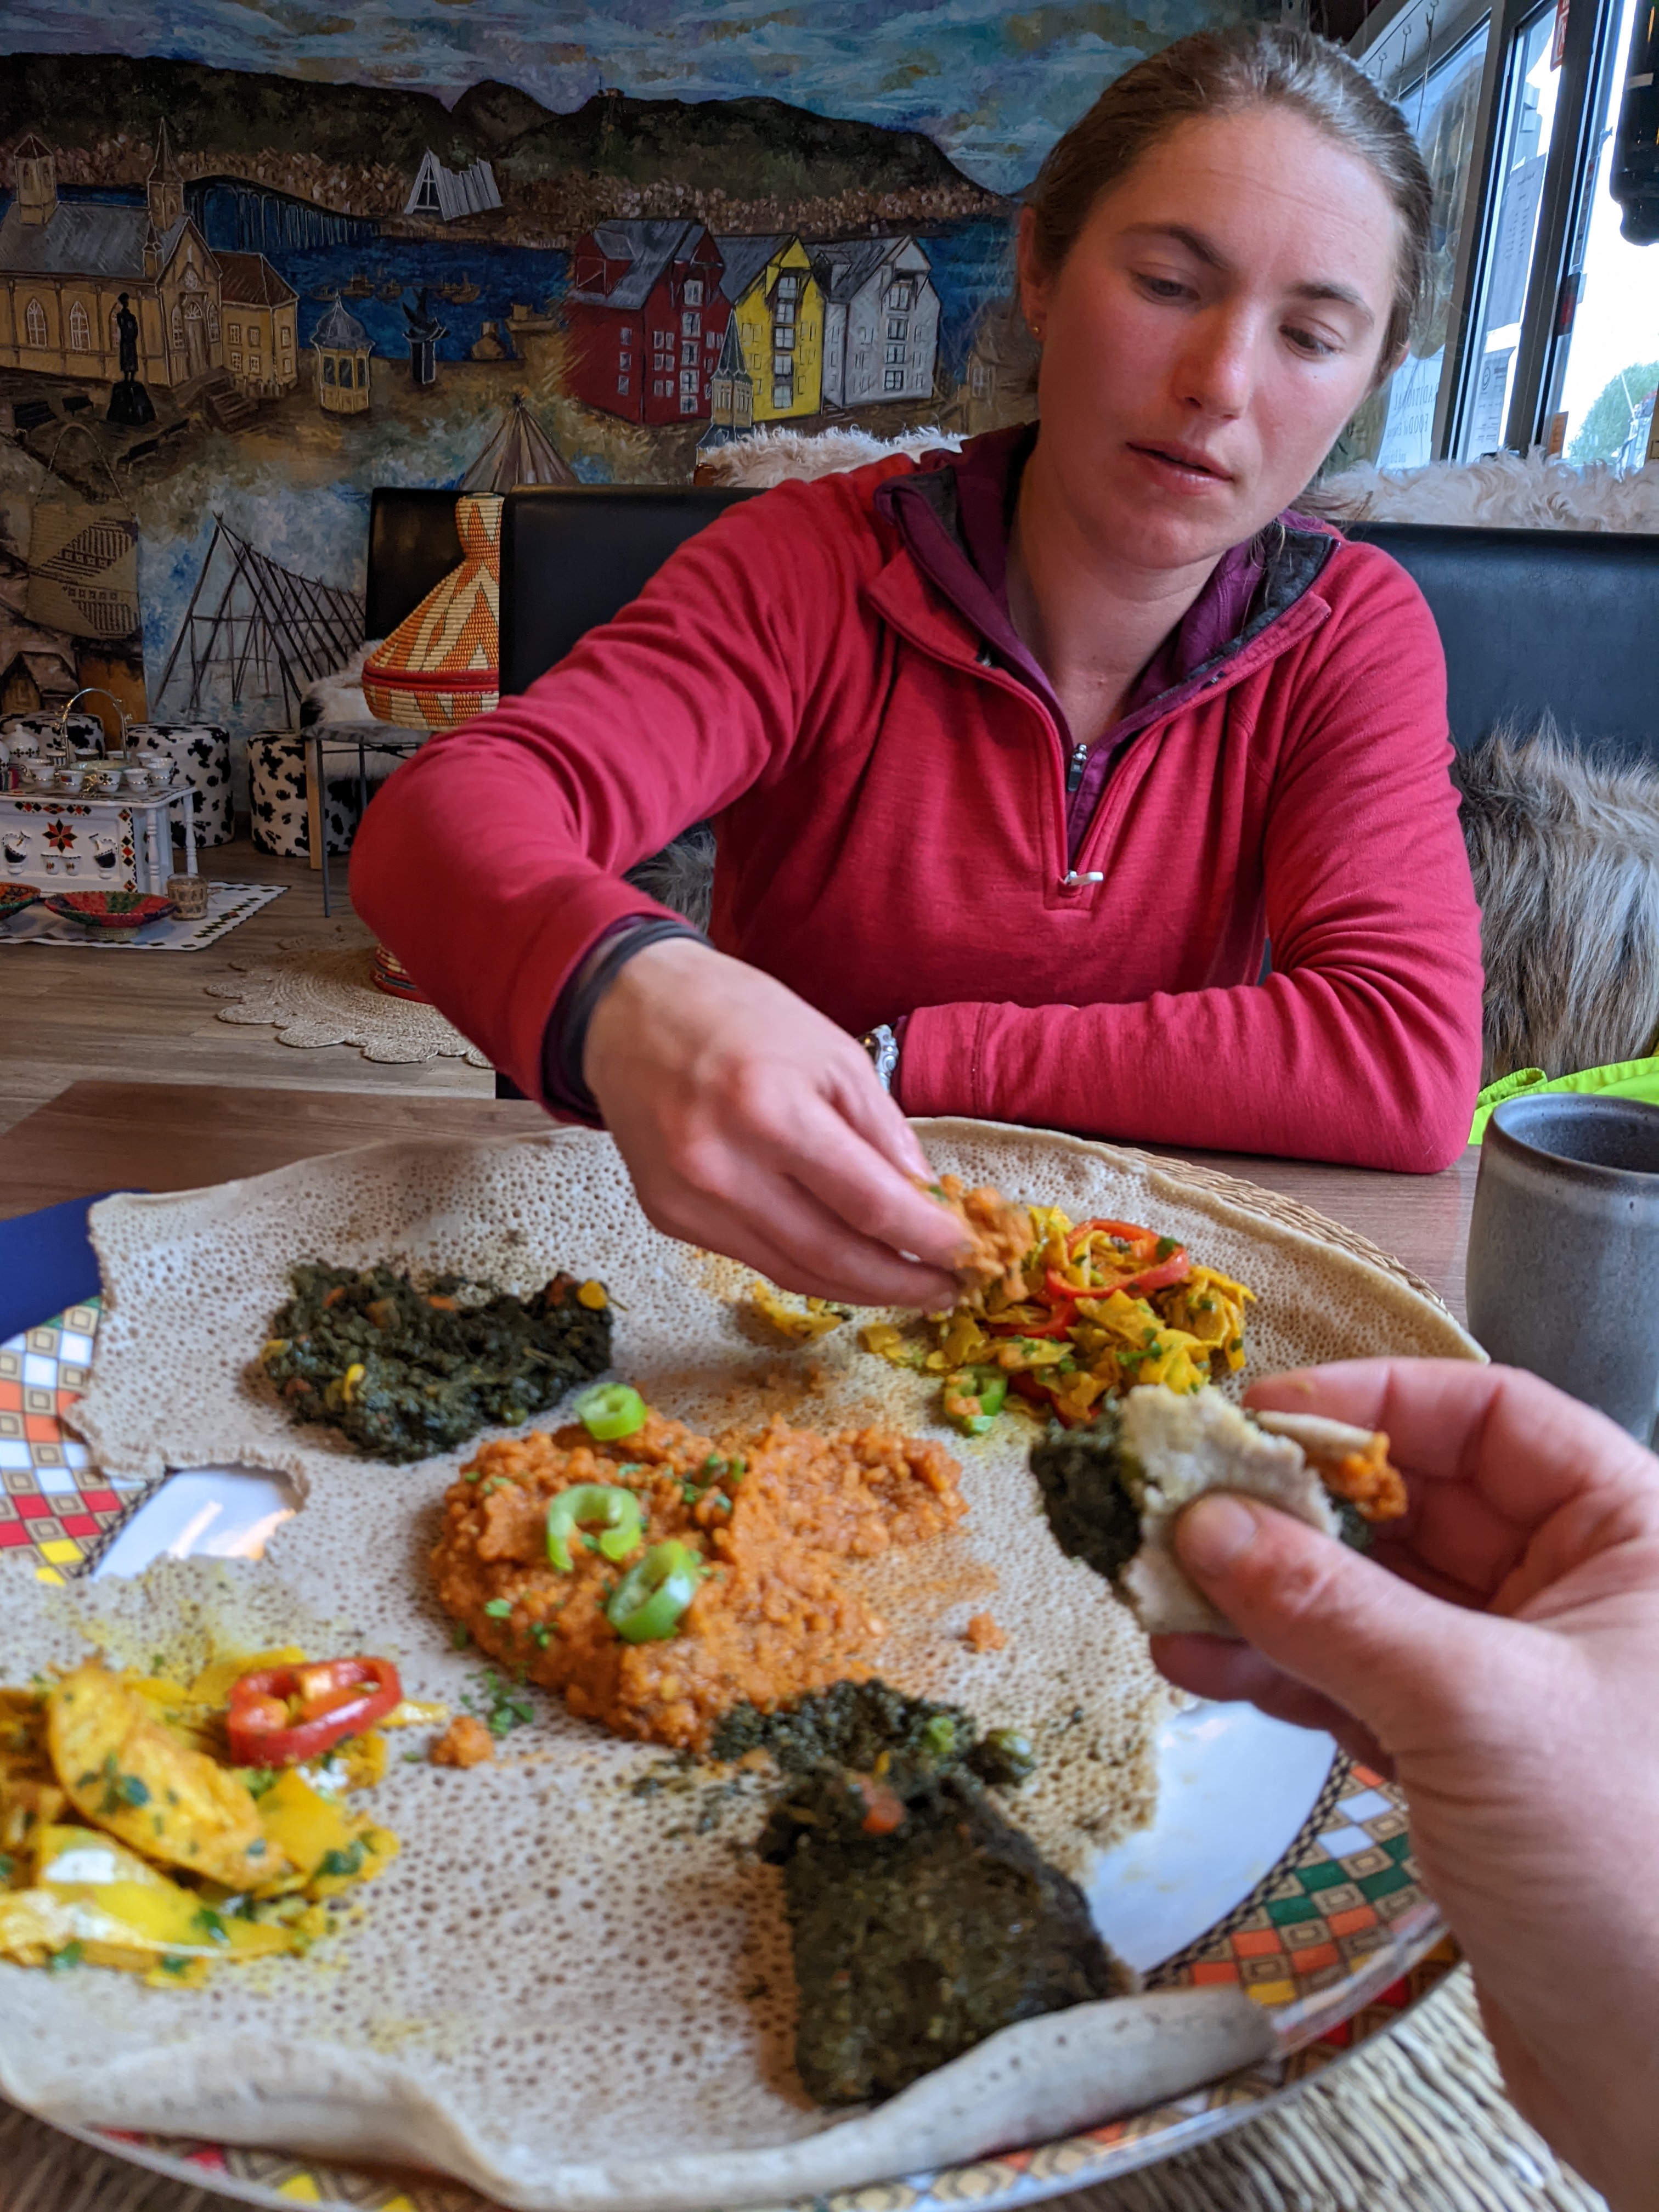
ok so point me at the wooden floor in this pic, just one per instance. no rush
(66, 1014)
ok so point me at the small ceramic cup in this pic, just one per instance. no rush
(1564, 1248)
(68, 779)
(141, 780)
(189, 895)
(162, 767)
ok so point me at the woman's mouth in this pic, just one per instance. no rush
(1183, 464)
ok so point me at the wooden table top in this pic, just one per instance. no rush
(175, 1136)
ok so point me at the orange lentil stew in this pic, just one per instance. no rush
(714, 1583)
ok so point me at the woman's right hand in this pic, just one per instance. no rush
(752, 1125)
(1507, 1668)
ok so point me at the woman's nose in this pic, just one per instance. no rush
(1216, 369)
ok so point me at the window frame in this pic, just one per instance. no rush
(1399, 46)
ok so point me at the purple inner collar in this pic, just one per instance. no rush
(971, 569)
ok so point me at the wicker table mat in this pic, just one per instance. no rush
(1418, 2120)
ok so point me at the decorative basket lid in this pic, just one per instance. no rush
(440, 666)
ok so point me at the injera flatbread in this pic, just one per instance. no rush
(566, 1992)
(1183, 1447)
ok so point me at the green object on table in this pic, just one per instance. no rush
(593, 1506)
(1625, 1079)
(614, 1410)
(648, 1601)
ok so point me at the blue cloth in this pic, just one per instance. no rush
(47, 1263)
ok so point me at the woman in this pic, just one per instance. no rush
(1019, 758)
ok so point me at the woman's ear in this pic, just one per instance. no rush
(1033, 284)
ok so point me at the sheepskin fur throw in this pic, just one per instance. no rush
(338, 696)
(681, 876)
(767, 457)
(1564, 851)
(1508, 492)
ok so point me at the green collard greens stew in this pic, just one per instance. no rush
(405, 1372)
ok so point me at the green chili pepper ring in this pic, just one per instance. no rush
(647, 1603)
(615, 1409)
(593, 1506)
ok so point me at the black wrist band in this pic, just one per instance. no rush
(568, 1031)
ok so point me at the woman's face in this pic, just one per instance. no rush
(1219, 318)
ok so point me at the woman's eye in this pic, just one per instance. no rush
(1164, 288)
(1310, 343)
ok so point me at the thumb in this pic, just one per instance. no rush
(1385, 1650)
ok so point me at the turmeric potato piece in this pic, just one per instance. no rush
(127, 1774)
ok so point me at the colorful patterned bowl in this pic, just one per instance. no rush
(112, 913)
(14, 897)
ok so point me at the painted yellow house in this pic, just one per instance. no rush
(777, 310)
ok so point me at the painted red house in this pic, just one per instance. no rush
(647, 316)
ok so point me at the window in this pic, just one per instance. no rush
(660, 388)
(235, 360)
(689, 380)
(627, 334)
(694, 291)
(893, 379)
(788, 285)
(784, 340)
(624, 360)
(786, 310)
(865, 334)
(690, 326)
(782, 365)
(1523, 156)
(80, 328)
(253, 368)
(1613, 351)
(35, 322)
(233, 333)
(979, 379)
(783, 395)
(363, 373)
(895, 353)
(1395, 425)
(688, 403)
(898, 327)
(328, 369)
(711, 337)
(177, 328)
(622, 384)
(689, 354)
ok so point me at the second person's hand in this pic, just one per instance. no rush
(752, 1125)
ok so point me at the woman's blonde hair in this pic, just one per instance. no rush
(1221, 73)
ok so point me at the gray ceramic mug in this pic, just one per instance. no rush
(1564, 1248)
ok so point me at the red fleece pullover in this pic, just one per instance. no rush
(890, 809)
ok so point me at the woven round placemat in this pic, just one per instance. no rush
(1417, 2119)
(330, 998)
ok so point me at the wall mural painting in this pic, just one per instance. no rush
(260, 261)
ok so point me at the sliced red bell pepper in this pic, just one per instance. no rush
(1058, 1323)
(283, 1716)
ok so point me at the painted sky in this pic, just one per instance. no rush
(994, 85)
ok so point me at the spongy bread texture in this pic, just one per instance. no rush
(556, 1947)
(1183, 1447)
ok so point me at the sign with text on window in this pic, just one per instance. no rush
(1492, 386)
(1408, 433)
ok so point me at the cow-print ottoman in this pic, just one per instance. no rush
(202, 753)
(277, 785)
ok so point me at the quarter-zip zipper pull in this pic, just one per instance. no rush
(1075, 768)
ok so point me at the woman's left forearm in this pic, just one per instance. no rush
(1369, 1069)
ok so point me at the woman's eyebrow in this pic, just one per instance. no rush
(1205, 250)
